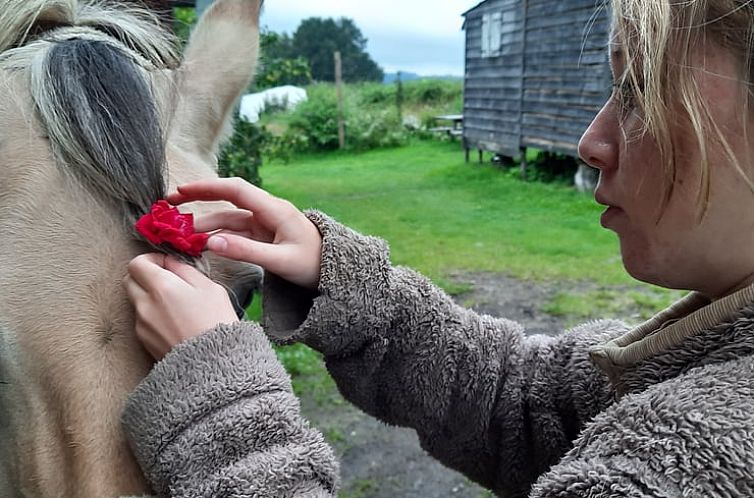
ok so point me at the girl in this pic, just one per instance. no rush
(664, 409)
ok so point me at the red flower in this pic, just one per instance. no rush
(165, 224)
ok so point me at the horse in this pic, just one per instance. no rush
(99, 118)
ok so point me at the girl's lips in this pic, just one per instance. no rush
(609, 215)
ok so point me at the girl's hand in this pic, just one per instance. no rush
(173, 302)
(265, 230)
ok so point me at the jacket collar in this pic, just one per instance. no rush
(689, 333)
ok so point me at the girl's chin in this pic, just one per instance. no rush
(638, 261)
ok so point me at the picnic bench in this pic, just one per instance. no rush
(453, 126)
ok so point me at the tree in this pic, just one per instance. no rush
(276, 45)
(317, 39)
(278, 65)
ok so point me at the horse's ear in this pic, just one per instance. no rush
(219, 63)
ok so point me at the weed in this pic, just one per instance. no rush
(359, 488)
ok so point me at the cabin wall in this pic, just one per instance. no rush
(549, 80)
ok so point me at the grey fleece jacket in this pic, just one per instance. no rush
(664, 410)
(217, 418)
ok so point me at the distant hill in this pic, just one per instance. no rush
(406, 76)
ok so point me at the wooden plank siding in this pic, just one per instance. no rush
(493, 85)
(548, 82)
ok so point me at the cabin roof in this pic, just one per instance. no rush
(475, 7)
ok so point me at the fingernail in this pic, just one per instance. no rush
(217, 243)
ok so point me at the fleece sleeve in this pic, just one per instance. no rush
(689, 436)
(217, 417)
(484, 398)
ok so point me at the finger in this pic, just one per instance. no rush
(187, 273)
(230, 219)
(134, 291)
(246, 235)
(148, 269)
(236, 191)
(243, 249)
(148, 339)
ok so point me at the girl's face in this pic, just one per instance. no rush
(672, 247)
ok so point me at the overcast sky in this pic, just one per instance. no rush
(420, 36)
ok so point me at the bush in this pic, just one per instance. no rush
(432, 92)
(315, 123)
(375, 93)
(415, 93)
(283, 148)
(544, 167)
(279, 72)
(242, 155)
(317, 119)
(372, 129)
(373, 116)
(550, 167)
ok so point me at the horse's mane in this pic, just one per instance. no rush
(88, 65)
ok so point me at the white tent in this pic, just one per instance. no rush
(254, 104)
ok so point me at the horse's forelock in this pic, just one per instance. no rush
(103, 124)
(90, 65)
(138, 30)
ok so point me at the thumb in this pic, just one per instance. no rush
(243, 249)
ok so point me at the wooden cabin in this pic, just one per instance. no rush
(536, 74)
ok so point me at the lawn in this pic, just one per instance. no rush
(443, 217)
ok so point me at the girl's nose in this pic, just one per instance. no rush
(598, 146)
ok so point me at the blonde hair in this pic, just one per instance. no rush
(658, 39)
(28, 27)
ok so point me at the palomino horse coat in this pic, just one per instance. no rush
(97, 120)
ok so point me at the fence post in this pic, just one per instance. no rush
(339, 90)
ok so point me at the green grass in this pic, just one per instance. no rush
(359, 488)
(442, 215)
(628, 305)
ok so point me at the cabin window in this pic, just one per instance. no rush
(492, 31)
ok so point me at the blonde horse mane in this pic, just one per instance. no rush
(134, 30)
(89, 66)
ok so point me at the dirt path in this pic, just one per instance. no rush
(379, 461)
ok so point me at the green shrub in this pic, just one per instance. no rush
(279, 72)
(373, 129)
(375, 93)
(550, 167)
(317, 119)
(427, 92)
(314, 124)
(373, 116)
(242, 154)
(282, 148)
(432, 92)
